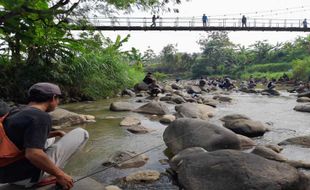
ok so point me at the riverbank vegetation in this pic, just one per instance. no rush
(220, 57)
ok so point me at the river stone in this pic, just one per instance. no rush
(246, 142)
(65, 118)
(304, 94)
(158, 108)
(194, 89)
(303, 141)
(303, 99)
(233, 117)
(112, 187)
(138, 129)
(185, 133)
(176, 86)
(133, 161)
(143, 176)
(121, 106)
(274, 147)
(167, 119)
(130, 121)
(246, 127)
(222, 98)
(194, 110)
(271, 92)
(235, 170)
(302, 108)
(128, 92)
(268, 153)
(141, 86)
(4, 108)
(210, 102)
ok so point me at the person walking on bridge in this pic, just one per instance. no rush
(204, 20)
(305, 23)
(154, 21)
(243, 20)
(36, 159)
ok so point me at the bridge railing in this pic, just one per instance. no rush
(195, 22)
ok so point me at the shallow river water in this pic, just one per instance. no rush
(107, 137)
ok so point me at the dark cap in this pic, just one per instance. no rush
(45, 88)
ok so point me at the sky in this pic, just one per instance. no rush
(187, 40)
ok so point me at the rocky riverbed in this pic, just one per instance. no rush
(198, 141)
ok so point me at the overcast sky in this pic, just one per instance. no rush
(186, 40)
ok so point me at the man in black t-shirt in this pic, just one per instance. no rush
(29, 129)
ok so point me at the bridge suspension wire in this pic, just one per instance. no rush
(289, 9)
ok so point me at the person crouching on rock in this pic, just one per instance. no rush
(37, 157)
(271, 85)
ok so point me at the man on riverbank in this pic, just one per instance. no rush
(30, 131)
(204, 20)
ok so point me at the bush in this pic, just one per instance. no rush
(269, 67)
(301, 69)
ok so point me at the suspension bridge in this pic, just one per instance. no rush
(195, 24)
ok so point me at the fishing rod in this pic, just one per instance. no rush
(59, 187)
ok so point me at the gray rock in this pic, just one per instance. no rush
(194, 89)
(122, 106)
(270, 92)
(4, 108)
(65, 118)
(302, 108)
(138, 129)
(128, 92)
(141, 87)
(222, 98)
(245, 142)
(304, 94)
(303, 141)
(185, 133)
(268, 154)
(143, 176)
(130, 121)
(246, 127)
(158, 108)
(274, 147)
(194, 110)
(233, 117)
(176, 86)
(167, 119)
(303, 99)
(235, 170)
(133, 161)
(210, 102)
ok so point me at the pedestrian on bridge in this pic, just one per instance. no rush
(204, 20)
(243, 20)
(154, 21)
(305, 24)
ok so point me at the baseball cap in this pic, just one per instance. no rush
(45, 88)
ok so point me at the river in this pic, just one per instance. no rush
(107, 137)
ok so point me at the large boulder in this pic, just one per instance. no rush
(167, 119)
(176, 86)
(245, 142)
(210, 102)
(246, 127)
(302, 108)
(222, 98)
(122, 106)
(158, 108)
(185, 133)
(304, 94)
(194, 110)
(64, 118)
(235, 170)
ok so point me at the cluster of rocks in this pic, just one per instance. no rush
(304, 102)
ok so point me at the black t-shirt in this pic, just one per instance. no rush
(28, 128)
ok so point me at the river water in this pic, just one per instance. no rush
(107, 137)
